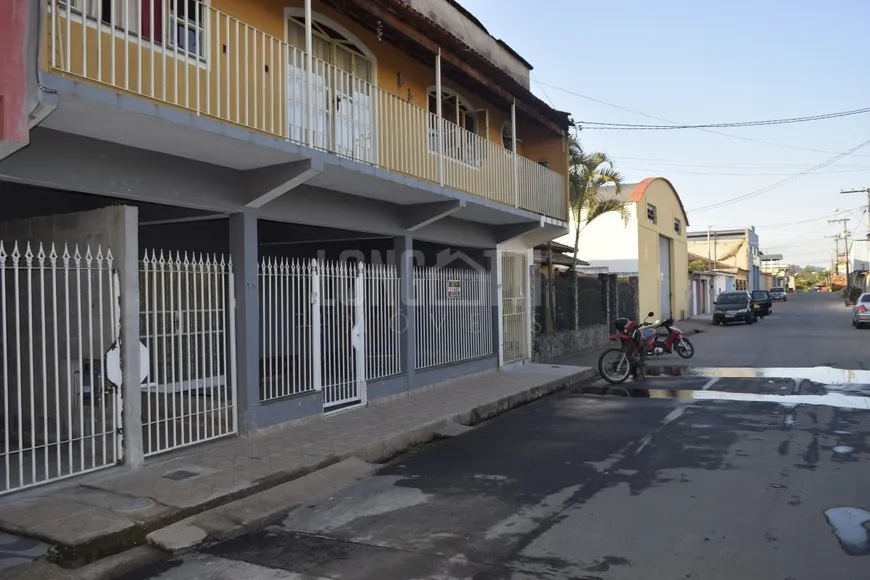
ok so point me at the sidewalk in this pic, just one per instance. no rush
(111, 511)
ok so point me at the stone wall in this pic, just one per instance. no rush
(553, 345)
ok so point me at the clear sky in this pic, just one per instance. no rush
(706, 61)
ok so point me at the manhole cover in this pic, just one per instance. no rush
(132, 505)
(180, 475)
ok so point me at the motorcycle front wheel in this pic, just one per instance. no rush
(614, 366)
(684, 348)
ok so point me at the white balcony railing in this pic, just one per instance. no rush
(191, 56)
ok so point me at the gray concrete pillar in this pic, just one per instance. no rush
(245, 253)
(493, 266)
(124, 242)
(406, 323)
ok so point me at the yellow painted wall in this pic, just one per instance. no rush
(660, 194)
(242, 79)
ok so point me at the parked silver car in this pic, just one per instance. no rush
(861, 311)
(779, 293)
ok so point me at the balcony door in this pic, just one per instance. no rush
(343, 91)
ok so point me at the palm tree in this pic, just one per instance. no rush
(587, 173)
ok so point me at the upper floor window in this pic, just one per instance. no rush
(678, 226)
(329, 46)
(651, 213)
(179, 24)
(460, 127)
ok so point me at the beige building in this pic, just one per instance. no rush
(651, 245)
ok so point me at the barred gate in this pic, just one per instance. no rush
(328, 326)
(453, 315)
(188, 325)
(515, 315)
(59, 317)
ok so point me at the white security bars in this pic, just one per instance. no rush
(189, 55)
(343, 328)
(326, 325)
(383, 321)
(58, 318)
(187, 322)
(453, 315)
(286, 327)
(516, 332)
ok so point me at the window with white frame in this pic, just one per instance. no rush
(460, 125)
(678, 226)
(182, 28)
(187, 27)
(651, 213)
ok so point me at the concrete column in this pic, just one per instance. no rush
(245, 253)
(124, 242)
(493, 264)
(406, 324)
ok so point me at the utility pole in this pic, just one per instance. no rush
(709, 251)
(835, 262)
(866, 190)
(845, 234)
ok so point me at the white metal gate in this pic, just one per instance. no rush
(313, 318)
(59, 316)
(516, 331)
(342, 299)
(187, 305)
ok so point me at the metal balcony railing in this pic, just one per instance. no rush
(189, 55)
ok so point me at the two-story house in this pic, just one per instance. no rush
(239, 213)
(736, 248)
(649, 244)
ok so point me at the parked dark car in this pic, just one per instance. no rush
(762, 303)
(734, 307)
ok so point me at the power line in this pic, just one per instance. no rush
(782, 182)
(730, 164)
(737, 174)
(520, 78)
(741, 124)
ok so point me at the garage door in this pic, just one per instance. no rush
(665, 264)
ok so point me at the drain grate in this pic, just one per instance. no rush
(180, 475)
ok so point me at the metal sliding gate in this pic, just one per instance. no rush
(516, 332)
(313, 320)
(188, 329)
(59, 317)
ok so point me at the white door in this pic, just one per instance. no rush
(342, 336)
(515, 315)
(297, 106)
(665, 265)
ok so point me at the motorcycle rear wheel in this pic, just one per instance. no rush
(684, 348)
(617, 371)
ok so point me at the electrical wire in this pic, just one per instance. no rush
(541, 84)
(782, 182)
(765, 123)
(734, 174)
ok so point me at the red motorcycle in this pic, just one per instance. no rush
(673, 341)
(637, 339)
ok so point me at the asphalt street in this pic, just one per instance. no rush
(757, 470)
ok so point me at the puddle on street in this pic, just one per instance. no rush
(823, 375)
(848, 524)
(829, 400)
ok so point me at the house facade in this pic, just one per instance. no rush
(859, 264)
(650, 244)
(736, 248)
(238, 214)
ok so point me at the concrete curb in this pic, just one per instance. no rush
(100, 549)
